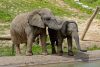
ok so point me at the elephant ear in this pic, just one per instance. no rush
(35, 20)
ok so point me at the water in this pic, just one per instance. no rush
(77, 64)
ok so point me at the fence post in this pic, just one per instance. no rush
(89, 23)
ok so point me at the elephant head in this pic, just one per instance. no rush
(73, 31)
(42, 18)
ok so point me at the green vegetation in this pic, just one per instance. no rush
(94, 48)
(85, 13)
(10, 8)
(72, 4)
(37, 50)
(91, 3)
(5, 51)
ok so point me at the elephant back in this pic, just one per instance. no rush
(17, 28)
(60, 22)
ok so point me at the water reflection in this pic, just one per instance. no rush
(82, 56)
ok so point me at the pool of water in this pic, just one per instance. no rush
(77, 64)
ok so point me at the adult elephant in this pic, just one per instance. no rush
(69, 30)
(27, 26)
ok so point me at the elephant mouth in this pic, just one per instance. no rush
(47, 19)
(52, 23)
(69, 33)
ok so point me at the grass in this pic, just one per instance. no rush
(77, 6)
(5, 51)
(91, 3)
(37, 50)
(10, 8)
(4, 27)
(93, 48)
(84, 13)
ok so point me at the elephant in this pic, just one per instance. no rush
(69, 30)
(27, 26)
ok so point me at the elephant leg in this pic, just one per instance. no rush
(17, 49)
(59, 46)
(30, 40)
(69, 40)
(53, 46)
(43, 43)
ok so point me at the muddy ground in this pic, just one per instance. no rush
(21, 61)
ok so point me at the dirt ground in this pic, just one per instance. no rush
(92, 36)
(25, 61)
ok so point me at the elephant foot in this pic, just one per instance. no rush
(60, 53)
(29, 53)
(54, 52)
(83, 50)
(44, 53)
(70, 53)
(18, 55)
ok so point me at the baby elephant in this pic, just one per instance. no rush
(69, 30)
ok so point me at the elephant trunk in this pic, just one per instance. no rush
(55, 24)
(76, 38)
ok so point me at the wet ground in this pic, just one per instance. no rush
(75, 64)
(22, 61)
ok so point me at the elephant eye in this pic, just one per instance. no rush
(48, 18)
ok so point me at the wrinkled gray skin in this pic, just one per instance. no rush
(69, 30)
(27, 26)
